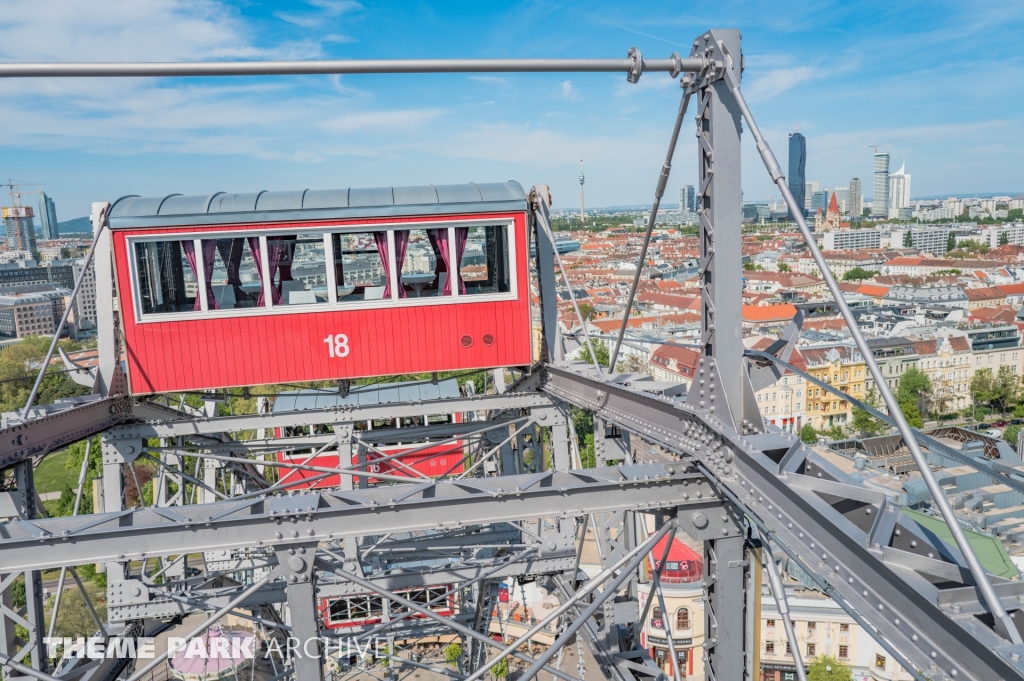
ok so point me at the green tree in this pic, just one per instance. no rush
(74, 618)
(1018, 411)
(452, 653)
(1004, 238)
(999, 388)
(863, 422)
(908, 239)
(19, 365)
(500, 668)
(76, 453)
(18, 597)
(951, 242)
(633, 364)
(981, 386)
(600, 352)
(828, 668)
(912, 414)
(783, 267)
(751, 266)
(914, 386)
(586, 310)
(583, 424)
(808, 435)
(1010, 435)
(858, 274)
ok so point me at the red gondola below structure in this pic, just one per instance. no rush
(277, 287)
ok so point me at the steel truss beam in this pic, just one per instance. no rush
(135, 534)
(57, 429)
(879, 560)
(185, 426)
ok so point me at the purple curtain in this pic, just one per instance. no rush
(257, 256)
(284, 266)
(381, 239)
(209, 257)
(275, 249)
(231, 251)
(401, 246)
(461, 237)
(439, 240)
(190, 254)
(440, 257)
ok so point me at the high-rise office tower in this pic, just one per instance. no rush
(809, 189)
(687, 199)
(899, 191)
(880, 197)
(48, 218)
(819, 199)
(797, 168)
(856, 198)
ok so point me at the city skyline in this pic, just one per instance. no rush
(819, 67)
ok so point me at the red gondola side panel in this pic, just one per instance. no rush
(447, 288)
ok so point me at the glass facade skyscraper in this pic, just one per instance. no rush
(880, 197)
(48, 218)
(797, 168)
(687, 199)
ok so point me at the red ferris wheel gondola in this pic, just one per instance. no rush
(277, 287)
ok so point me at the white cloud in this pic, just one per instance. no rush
(381, 120)
(329, 9)
(772, 83)
(568, 92)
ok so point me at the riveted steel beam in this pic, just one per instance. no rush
(134, 534)
(878, 559)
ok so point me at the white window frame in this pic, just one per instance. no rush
(333, 305)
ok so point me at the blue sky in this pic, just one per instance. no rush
(938, 81)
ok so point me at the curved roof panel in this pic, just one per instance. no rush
(255, 207)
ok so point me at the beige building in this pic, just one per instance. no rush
(821, 628)
(783, 403)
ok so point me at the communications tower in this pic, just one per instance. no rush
(582, 214)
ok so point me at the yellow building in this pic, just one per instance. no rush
(841, 366)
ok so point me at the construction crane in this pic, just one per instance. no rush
(17, 210)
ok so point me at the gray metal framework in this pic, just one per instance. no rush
(703, 462)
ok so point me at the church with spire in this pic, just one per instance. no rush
(832, 219)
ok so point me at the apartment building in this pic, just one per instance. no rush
(994, 346)
(31, 313)
(673, 363)
(841, 366)
(782, 403)
(821, 628)
(947, 363)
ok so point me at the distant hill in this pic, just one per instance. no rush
(76, 226)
